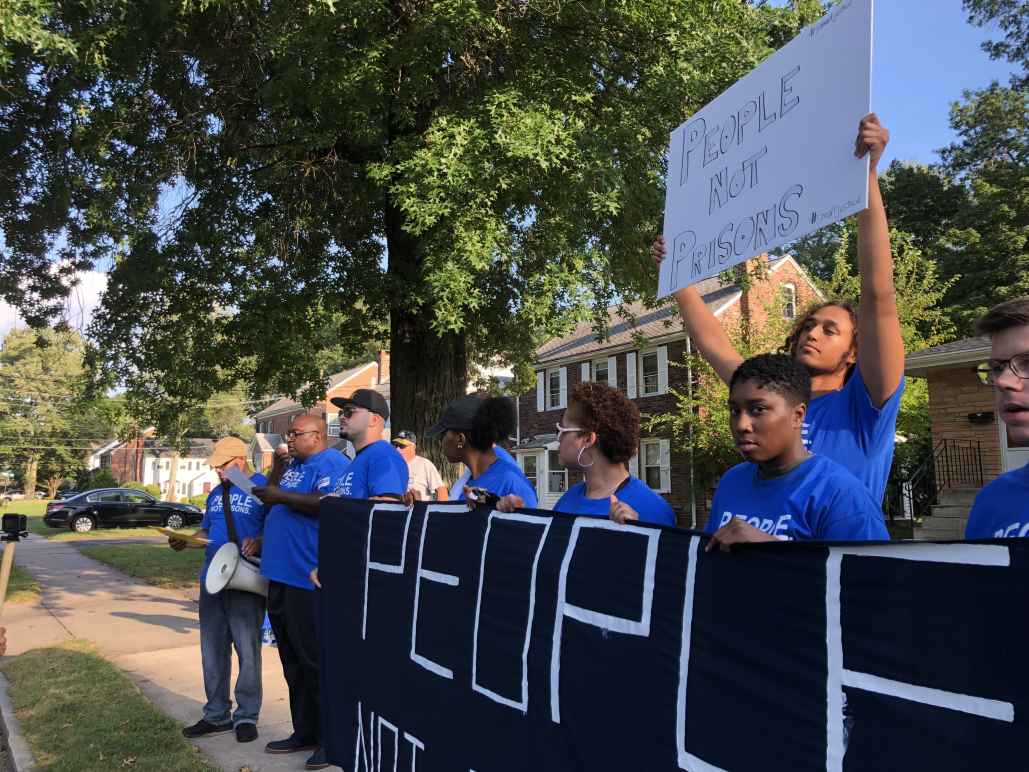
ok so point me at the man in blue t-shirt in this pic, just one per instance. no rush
(231, 618)
(1002, 508)
(782, 491)
(378, 470)
(289, 551)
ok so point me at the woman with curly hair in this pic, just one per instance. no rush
(471, 427)
(856, 361)
(598, 434)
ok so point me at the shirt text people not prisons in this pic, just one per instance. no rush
(290, 549)
(819, 499)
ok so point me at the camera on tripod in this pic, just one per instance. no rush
(15, 527)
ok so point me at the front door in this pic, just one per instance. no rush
(532, 466)
(1016, 454)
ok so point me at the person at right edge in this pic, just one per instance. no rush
(855, 359)
(1001, 508)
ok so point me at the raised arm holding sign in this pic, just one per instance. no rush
(856, 361)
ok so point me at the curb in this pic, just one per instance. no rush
(19, 756)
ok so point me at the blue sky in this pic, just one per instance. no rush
(926, 53)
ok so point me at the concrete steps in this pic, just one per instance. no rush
(950, 516)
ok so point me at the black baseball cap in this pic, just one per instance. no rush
(404, 438)
(458, 416)
(369, 399)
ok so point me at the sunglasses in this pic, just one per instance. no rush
(561, 430)
(294, 435)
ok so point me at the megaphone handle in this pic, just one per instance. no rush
(5, 572)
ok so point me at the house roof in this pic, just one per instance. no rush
(287, 405)
(198, 447)
(957, 352)
(652, 323)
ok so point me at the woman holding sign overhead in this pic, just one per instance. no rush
(856, 360)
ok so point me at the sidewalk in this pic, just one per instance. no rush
(150, 633)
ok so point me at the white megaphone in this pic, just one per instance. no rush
(231, 570)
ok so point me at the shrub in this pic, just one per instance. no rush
(152, 489)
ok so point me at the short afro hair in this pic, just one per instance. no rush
(780, 373)
(494, 422)
(608, 412)
(1004, 316)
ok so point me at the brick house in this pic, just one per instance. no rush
(643, 372)
(967, 434)
(274, 421)
(125, 460)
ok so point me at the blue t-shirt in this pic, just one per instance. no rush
(817, 500)
(1001, 509)
(290, 547)
(648, 505)
(845, 426)
(504, 477)
(377, 470)
(460, 482)
(247, 514)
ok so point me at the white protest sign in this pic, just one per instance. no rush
(772, 158)
(240, 480)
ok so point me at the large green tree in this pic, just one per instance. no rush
(472, 175)
(47, 426)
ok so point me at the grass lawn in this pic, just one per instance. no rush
(79, 712)
(153, 563)
(22, 587)
(37, 508)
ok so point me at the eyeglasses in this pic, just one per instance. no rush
(989, 372)
(294, 435)
(349, 411)
(561, 430)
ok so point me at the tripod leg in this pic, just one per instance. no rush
(5, 572)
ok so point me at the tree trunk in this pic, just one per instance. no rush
(31, 468)
(427, 370)
(173, 475)
(52, 484)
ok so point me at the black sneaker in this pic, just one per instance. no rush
(290, 745)
(246, 733)
(201, 728)
(317, 760)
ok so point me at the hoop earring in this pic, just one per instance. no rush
(578, 459)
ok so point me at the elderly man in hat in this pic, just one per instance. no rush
(232, 618)
(423, 477)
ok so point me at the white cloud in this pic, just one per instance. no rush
(82, 301)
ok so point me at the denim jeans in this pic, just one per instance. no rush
(232, 618)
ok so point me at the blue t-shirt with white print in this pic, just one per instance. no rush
(247, 514)
(501, 478)
(378, 469)
(819, 499)
(290, 548)
(648, 505)
(845, 426)
(1001, 510)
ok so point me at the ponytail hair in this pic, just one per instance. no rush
(494, 422)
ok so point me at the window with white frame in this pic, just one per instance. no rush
(553, 389)
(654, 464)
(333, 425)
(557, 475)
(600, 371)
(789, 301)
(650, 380)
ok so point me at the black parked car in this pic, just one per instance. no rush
(118, 508)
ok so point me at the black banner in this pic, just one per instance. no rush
(456, 640)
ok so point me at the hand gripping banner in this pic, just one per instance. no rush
(455, 641)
